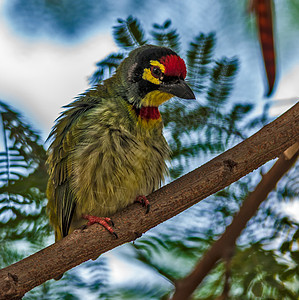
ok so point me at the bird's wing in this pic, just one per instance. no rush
(62, 201)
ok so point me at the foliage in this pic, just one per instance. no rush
(199, 58)
(23, 182)
(280, 283)
(163, 35)
(196, 131)
(74, 283)
(110, 63)
(128, 34)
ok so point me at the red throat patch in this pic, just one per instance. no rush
(149, 113)
(174, 66)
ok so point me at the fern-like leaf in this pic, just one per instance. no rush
(106, 67)
(222, 78)
(163, 35)
(23, 179)
(128, 34)
(199, 56)
(19, 155)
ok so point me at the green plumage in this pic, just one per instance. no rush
(103, 154)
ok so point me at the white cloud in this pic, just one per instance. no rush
(40, 77)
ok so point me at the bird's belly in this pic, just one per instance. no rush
(141, 179)
(119, 180)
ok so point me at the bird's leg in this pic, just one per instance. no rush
(144, 202)
(102, 221)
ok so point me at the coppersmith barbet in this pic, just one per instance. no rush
(107, 146)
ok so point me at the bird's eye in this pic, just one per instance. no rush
(156, 72)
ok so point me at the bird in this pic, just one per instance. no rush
(107, 148)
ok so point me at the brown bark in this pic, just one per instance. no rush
(225, 245)
(82, 245)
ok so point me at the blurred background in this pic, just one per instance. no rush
(51, 51)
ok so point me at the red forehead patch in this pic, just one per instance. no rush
(174, 66)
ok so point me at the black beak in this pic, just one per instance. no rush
(180, 89)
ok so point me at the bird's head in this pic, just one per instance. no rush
(154, 75)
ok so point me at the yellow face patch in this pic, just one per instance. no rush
(155, 98)
(156, 63)
(147, 74)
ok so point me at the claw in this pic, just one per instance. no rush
(144, 202)
(102, 221)
(148, 208)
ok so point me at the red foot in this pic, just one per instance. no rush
(144, 202)
(99, 220)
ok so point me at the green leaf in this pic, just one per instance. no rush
(222, 77)
(288, 275)
(296, 236)
(163, 35)
(295, 256)
(199, 58)
(129, 34)
(285, 247)
(239, 111)
(257, 289)
(248, 278)
(106, 67)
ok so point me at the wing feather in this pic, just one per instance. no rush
(61, 199)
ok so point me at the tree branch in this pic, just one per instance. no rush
(225, 245)
(82, 245)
